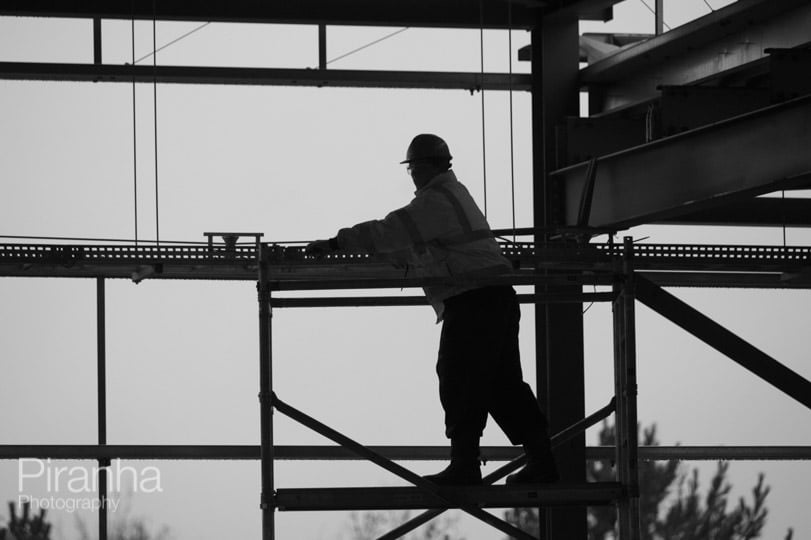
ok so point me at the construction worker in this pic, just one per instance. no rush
(441, 233)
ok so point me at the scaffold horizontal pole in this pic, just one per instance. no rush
(398, 453)
(385, 498)
(373, 301)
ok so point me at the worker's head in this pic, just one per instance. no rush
(427, 156)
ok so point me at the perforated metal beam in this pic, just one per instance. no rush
(736, 159)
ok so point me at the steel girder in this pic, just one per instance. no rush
(733, 160)
(759, 212)
(262, 76)
(719, 45)
(425, 13)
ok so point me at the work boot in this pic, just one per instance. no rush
(464, 468)
(540, 467)
(458, 473)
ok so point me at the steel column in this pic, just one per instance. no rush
(322, 46)
(559, 328)
(625, 394)
(267, 499)
(101, 393)
(97, 41)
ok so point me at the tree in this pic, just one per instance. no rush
(25, 527)
(665, 514)
(371, 525)
(124, 526)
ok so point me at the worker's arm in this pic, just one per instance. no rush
(398, 232)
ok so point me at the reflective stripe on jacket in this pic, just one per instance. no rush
(440, 233)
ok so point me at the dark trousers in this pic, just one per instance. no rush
(480, 371)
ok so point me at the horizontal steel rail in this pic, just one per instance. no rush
(398, 453)
(253, 76)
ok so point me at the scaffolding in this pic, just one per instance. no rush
(631, 272)
(593, 175)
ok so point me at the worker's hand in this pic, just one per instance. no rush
(319, 248)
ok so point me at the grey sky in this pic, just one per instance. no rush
(297, 164)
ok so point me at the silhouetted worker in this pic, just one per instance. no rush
(442, 233)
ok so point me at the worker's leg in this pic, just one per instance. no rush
(461, 374)
(511, 401)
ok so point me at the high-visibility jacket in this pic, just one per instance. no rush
(440, 233)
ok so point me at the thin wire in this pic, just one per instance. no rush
(375, 42)
(155, 114)
(187, 34)
(134, 136)
(709, 6)
(484, 136)
(512, 136)
(654, 12)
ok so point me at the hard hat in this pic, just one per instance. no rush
(427, 146)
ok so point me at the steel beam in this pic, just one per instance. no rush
(718, 337)
(427, 13)
(717, 45)
(759, 212)
(470, 81)
(736, 159)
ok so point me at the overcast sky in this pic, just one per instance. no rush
(297, 164)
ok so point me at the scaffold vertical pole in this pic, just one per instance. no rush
(625, 393)
(101, 394)
(267, 500)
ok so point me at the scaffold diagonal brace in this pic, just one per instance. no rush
(394, 468)
(718, 337)
(513, 465)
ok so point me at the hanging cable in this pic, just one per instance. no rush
(184, 36)
(134, 134)
(155, 113)
(512, 136)
(709, 6)
(375, 42)
(481, 82)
